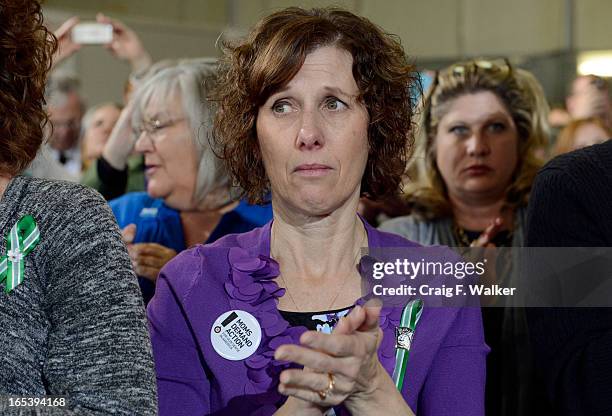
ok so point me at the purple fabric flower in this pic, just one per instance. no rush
(252, 288)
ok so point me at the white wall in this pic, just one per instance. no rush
(593, 24)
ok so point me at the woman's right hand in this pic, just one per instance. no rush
(147, 258)
(122, 140)
(485, 238)
(488, 253)
(65, 46)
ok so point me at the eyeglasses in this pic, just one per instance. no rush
(154, 127)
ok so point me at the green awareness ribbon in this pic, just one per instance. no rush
(403, 339)
(20, 241)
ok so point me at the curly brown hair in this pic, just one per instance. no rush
(26, 48)
(273, 53)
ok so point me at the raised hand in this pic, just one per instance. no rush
(126, 45)
(489, 254)
(65, 46)
(485, 238)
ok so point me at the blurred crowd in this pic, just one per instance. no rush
(483, 129)
(95, 145)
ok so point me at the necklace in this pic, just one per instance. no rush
(297, 308)
(464, 241)
(462, 237)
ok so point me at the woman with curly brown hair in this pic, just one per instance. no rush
(72, 318)
(482, 124)
(314, 107)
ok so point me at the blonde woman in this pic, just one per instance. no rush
(481, 126)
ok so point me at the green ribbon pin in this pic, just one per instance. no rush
(20, 241)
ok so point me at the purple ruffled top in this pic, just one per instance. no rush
(445, 373)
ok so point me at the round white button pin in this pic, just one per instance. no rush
(235, 335)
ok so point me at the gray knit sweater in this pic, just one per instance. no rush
(76, 326)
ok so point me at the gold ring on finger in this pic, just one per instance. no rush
(331, 382)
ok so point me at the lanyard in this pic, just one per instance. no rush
(403, 339)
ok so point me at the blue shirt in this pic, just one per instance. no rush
(158, 223)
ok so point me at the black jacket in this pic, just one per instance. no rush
(571, 206)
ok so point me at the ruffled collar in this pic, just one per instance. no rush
(251, 287)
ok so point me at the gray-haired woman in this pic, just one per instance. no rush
(188, 197)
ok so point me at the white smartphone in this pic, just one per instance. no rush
(92, 33)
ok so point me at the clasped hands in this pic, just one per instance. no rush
(341, 367)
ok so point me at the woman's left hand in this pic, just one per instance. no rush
(342, 367)
(126, 44)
